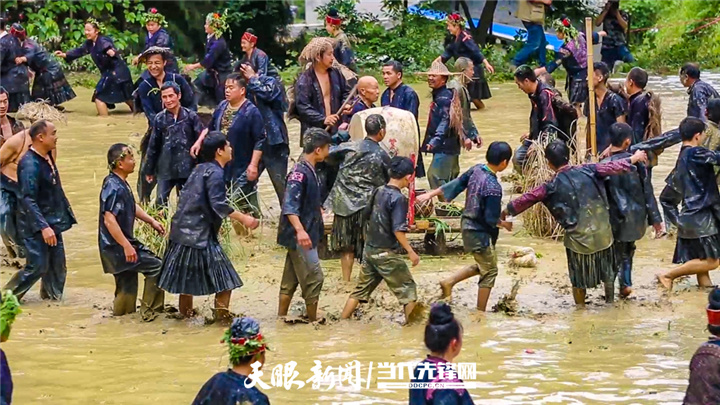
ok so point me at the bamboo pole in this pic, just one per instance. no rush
(591, 130)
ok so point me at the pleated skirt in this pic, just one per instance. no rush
(192, 271)
(707, 247)
(589, 271)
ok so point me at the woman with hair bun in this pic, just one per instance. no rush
(443, 337)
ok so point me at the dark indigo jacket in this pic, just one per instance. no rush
(309, 98)
(112, 68)
(202, 206)
(246, 135)
(260, 63)
(612, 107)
(217, 57)
(343, 52)
(14, 77)
(168, 154)
(438, 133)
(162, 39)
(404, 98)
(117, 198)
(42, 199)
(228, 388)
(428, 372)
(40, 61)
(151, 100)
(463, 46)
(302, 198)
(700, 92)
(632, 202)
(638, 115)
(386, 214)
(268, 95)
(542, 114)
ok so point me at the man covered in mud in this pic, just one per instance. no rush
(542, 114)
(610, 107)
(301, 226)
(243, 125)
(577, 200)
(480, 219)
(704, 382)
(700, 91)
(364, 167)
(121, 254)
(632, 206)
(175, 130)
(149, 101)
(386, 215)
(444, 135)
(45, 214)
(9, 126)
(268, 94)
(693, 184)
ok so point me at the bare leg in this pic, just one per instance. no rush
(350, 306)
(346, 263)
(461, 275)
(312, 311)
(408, 309)
(695, 266)
(284, 304)
(579, 296)
(222, 305)
(478, 104)
(704, 280)
(131, 105)
(101, 108)
(186, 305)
(483, 297)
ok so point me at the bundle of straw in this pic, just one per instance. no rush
(40, 110)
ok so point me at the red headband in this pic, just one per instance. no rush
(455, 17)
(333, 20)
(250, 37)
(713, 316)
(15, 32)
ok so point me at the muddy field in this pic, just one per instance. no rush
(637, 351)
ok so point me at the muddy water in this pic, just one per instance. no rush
(75, 352)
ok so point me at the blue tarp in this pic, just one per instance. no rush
(502, 31)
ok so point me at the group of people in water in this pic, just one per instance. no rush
(213, 162)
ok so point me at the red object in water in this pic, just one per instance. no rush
(529, 351)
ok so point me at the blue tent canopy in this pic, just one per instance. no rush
(502, 31)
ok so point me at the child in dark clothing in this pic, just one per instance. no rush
(480, 219)
(121, 254)
(644, 112)
(632, 205)
(387, 224)
(693, 184)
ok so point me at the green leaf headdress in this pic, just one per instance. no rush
(154, 15)
(564, 26)
(121, 156)
(95, 23)
(8, 311)
(244, 339)
(218, 22)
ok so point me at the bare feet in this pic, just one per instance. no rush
(664, 281)
(446, 288)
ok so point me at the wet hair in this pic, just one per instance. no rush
(639, 76)
(374, 124)
(691, 126)
(38, 128)
(400, 167)
(714, 303)
(396, 66)
(498, 152)
(315, 138)
(238, 79)
(557, 153)
(214, 141)
(442, 328)
(603, 68)
(713, 110)
(547, 78)
(115, 153)
(619, 132)
(692, 70)
(170, 85)
(524, 72)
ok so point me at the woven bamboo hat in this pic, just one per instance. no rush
(437, 68)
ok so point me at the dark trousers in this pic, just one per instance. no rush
(624, 254)
(126, 288)
(275, 160)
(164, 188)
(144, 188)
(8, 219)
(535, 43)
(45, 263)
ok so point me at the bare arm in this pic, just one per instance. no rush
(10, 149)
(621, 20)
(402, 239)
(599, 20)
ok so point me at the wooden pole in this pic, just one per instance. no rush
(591, 89)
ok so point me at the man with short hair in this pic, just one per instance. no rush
(301, 226)
(610, 108)
(44, 216)
(175, 130)
(368, 92)
(700, 91)
(643, 115)
(9, 126)
(149, 101)
(542, 113)
(364, 167)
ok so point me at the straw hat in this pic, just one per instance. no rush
(155, 50)
(437, 68)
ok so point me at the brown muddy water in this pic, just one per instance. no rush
(633, 352)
